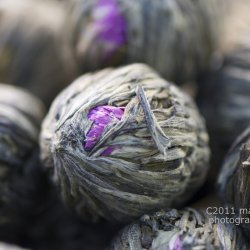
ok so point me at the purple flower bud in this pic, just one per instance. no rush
(101, 117)
(177, 244)
(111, 25)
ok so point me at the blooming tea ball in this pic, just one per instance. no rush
(233, 181)
(179, 229)
(36, 49)
(21, 177)
(223, 99)
(159, 33)
(122, 142)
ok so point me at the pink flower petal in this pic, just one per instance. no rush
(101, 116)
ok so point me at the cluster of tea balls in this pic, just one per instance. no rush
(101, 146)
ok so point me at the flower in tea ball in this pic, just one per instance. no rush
(123, 142)
(101, 117)
(159, 33)
(22, 179)
(177, 230)
(234, 179)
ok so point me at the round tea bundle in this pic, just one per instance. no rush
(122, 142)
(234, 179)
(21, 177)
(36, 47)
(160, 33)
(223, 95)
(183, 229)
(223, 98)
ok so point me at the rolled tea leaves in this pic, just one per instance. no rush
(122, 142)
(36, 50)
(223, 99)
(234, 179)
(21, 177)
(161, 33)
(178, 229)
